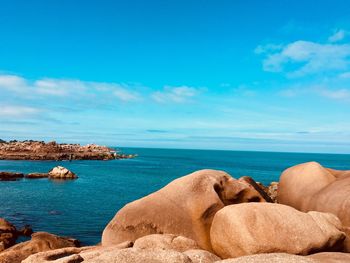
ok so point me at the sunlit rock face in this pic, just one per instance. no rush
(312, 187)
(185, 207)
(252, 228)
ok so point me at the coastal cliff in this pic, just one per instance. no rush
(39, 150)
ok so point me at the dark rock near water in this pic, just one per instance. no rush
(9, 234)
(10, 176)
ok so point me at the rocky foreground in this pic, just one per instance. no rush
(39, 150)
(209, 216)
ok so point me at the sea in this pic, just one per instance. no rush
(82, 208)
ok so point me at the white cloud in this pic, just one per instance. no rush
(339, 94)
(18, 111)
(337, 36)
(54, 87)
(175, 94)
(126, 95)
(62, 88)
(300, 58)
(12, 82)
(334, 94)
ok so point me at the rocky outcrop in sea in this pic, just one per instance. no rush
(56, 173)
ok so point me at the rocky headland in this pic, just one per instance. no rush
(39, 150)
(209, 216)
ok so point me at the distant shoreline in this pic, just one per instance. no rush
(52, 151)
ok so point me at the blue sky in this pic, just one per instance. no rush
(235, 75)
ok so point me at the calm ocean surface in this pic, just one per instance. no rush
(82, 208)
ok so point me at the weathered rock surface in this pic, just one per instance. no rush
(312, 187)
(9, 233)
(184, 207)
(109, 255)
(270, 258)
(166, 241)
(41, 241)
(201, 256)
(60, 172)
(128, 255)
(246, 229)
(38, 150)
(270, 190)
(324, 257)
(134, 255)
(257, 187)
(36, 175)
(331, 257)
(10, 176)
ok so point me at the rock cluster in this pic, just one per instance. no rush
(57, 172)
(39, 150)
(209, 216)
(184, 207)
(40, 241)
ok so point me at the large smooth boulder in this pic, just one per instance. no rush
(312, 187)
(246, 229)
(41, 241)
(60, 172)
(184, 207)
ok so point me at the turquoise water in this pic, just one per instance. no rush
(81, 208)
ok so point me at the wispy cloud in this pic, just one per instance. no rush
(338, 94)
(66, 87)
(171, 94)
(126, 95)
(302, 58)
(12, 83)
(334, 94)
(18, 111)
(337, 36)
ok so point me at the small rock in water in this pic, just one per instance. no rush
(60, 172)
